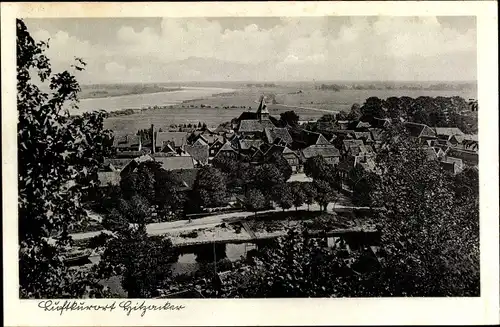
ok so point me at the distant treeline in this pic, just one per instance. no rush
(261, 85)
(397, 86)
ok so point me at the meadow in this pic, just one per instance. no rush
(213, 109)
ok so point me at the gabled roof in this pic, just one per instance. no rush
(199, 152)
(200, 142)
(419, 130)
(117, 163)
(274, 149)
(351, 143)
(377, 133)
(109, 178)
(362, 124)
(273, 133)
(187, 177)
(357, 150)
(363, 135)
(176, 162)
(254, 125)
(346, 164)
(431, 153)
(465, 155)
(226, 147)
(247, 144)
(456, 161)
(177, 138)
(380, 122)
(323, 150)
(321, 140)
(448, 131)
(126, 141)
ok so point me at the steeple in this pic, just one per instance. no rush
(262, 112)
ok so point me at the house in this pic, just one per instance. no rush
(278, 135)
(175, 162)
(244, 146)
(176, 140)
(343, 124)
(465, 142)
(292, 158)
(127, 142)
(453, 165)
(108, 178)
(186, 177)
(254, 128)
(362, 125)
(447, 131)
(124, 166)
(348, 143)
(329, 152)
(365, 136)
(215, 147)
(227, 150)
(360, 150)
(380, 122)
(420, 131)
(470, 158)
(199, 150)
(252, 124)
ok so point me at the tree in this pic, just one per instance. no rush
(282, 165)
(283, 196)
(296, 266)
(58, 158)
(298, 194)
(289, 118)
(310, 193)
(324, 193)
(317, 168)
(355, 113)
(209, 189)
(255, 200)
(167, 191)
(422, 221)
(341, 116)
(328, 118)
(362, 183)
(372, 108)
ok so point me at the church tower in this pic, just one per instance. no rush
(262, 112)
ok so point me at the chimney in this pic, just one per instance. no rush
(153, 140)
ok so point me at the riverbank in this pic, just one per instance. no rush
(109, 91)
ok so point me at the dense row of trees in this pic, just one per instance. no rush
(432, 111)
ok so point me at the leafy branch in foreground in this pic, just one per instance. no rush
(58, 157)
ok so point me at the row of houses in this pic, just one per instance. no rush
(256, 136)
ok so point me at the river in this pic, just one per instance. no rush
(140, 101)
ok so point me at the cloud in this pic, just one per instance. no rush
(361, 48)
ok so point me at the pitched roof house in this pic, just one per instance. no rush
(272, 134)
(420, 130)
(175, 139)
(199, 150)
(107, 178)
(348, 143)
(329, 152)
(448, 131)
(175, 162)
(127, 142)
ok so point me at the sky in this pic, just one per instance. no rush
(356, 48)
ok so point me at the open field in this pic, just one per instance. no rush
(213, 110)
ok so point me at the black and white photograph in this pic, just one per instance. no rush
(264, 157)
